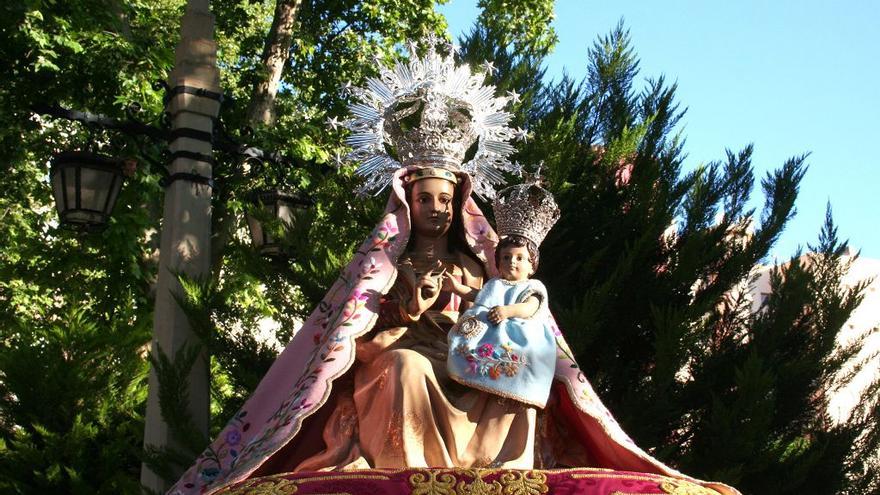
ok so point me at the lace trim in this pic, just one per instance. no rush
(542, 300)
(507, 395)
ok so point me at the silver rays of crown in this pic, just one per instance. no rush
(428, 112)
(527, 210)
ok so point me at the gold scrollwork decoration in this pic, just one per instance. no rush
(478, 487)
(683, 487)
(524, 483)
(263, 486)
(428, 483)
(471, 482)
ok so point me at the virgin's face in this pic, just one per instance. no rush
(431, 206)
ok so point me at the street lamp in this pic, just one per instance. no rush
(85, 186)
(273, 216)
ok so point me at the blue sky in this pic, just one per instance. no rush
(792, 77)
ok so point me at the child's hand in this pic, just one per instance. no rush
(452, 285)
(498, 314)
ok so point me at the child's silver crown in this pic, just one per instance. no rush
(527, 210)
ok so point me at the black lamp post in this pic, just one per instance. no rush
(85, 186)
(274, 206)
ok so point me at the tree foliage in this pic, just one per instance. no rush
(654, 305)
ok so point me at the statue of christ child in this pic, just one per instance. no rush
(505, 344)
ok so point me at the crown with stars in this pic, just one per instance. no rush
(429, 112)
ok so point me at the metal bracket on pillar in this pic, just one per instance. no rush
(190, 90)
(189, 177)
(185, 132)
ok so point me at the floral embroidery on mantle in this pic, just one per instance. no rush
(220, 461)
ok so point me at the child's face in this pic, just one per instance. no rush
(515, 265)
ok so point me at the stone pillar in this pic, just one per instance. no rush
(186, 225)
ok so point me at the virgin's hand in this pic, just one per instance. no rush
(406, 270)
(428, 287)
(425, 294)
(430, 282)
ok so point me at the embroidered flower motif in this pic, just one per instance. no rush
(370, 266)
(355, 303)
(385, 234)
(387, 231)
(483, 241)
(494, 372)
(209, 474)
(473, 366)
(487, 360)
(233, 437)
(480, 233)
(359, 295)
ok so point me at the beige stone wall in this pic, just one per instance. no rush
(865, 321)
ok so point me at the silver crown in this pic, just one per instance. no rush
(428, 112)
(527, 210)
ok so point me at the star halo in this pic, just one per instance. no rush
(435, 72)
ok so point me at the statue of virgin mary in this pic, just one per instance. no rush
(363, 385)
